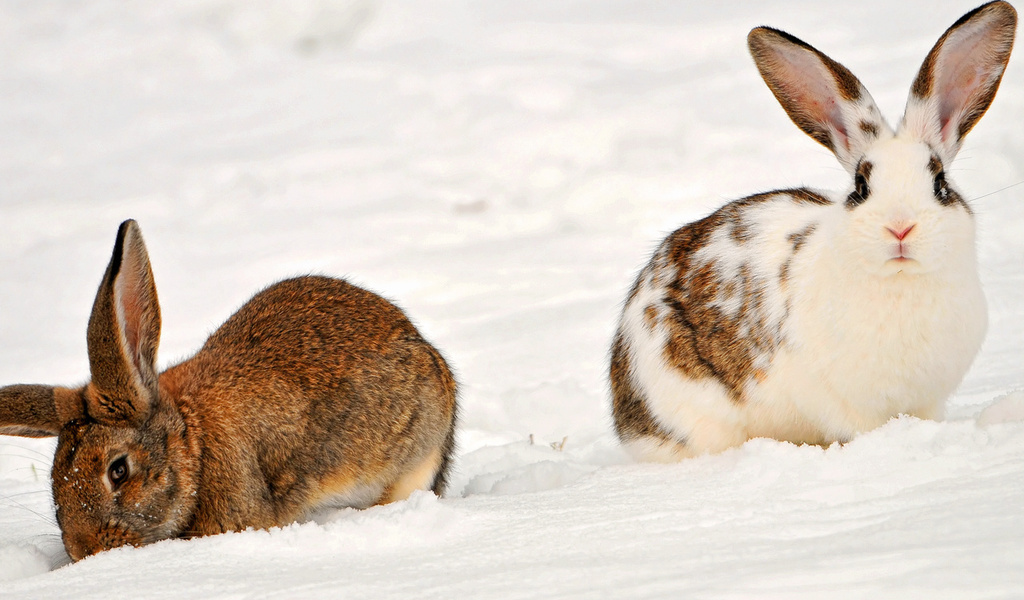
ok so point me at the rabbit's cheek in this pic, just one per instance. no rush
(114, 535)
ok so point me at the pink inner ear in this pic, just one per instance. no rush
(130, 291)
(131, 313)
(834, 118)
(957, 93)
(967, 65)
(800, 74)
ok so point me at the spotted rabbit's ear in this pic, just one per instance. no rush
(821, 96)
(123, 335)
(37, 410)
(959, 78)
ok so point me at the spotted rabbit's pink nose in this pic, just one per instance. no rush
(899, 235)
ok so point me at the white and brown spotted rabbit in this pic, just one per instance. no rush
(810, 317)
(315, 394)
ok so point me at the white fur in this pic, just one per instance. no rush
(652, 449)
(363, 495)
(870, 338)
(863, 338)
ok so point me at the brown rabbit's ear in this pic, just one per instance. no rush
(37, 410)
(821, 96)
(123, 335)
(960, 76)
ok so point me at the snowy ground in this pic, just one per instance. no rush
(501, 169)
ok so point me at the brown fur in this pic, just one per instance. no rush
(797, 239)
(869, 128)
(632, 419)
(314, 393)
(32, 411)
(805, 196)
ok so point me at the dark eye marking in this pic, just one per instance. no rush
(117, 472)
(861, 190)
(861, 186)
(940, 188)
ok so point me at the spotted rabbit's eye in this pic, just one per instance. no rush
(860, 183)
(861, 190)
(940, 188)
(117, 472)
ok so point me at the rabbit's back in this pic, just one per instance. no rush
(315, 393)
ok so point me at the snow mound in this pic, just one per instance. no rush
(22, 560)
(520, 468)
(1008, 408)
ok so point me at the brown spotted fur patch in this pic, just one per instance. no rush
(869, 128)
(632, 419)
(806, 196)
(799, 238)
(703, 341)
(651, 316)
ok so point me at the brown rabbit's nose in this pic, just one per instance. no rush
(80, 546)
(899, 234)
(76, 548)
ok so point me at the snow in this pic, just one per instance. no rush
(501, 170)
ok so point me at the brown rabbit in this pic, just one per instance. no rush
(315, 394)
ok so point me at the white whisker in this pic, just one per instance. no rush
(1012, 185)
(7, 500)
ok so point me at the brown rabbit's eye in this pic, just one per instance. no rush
(117, 472)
